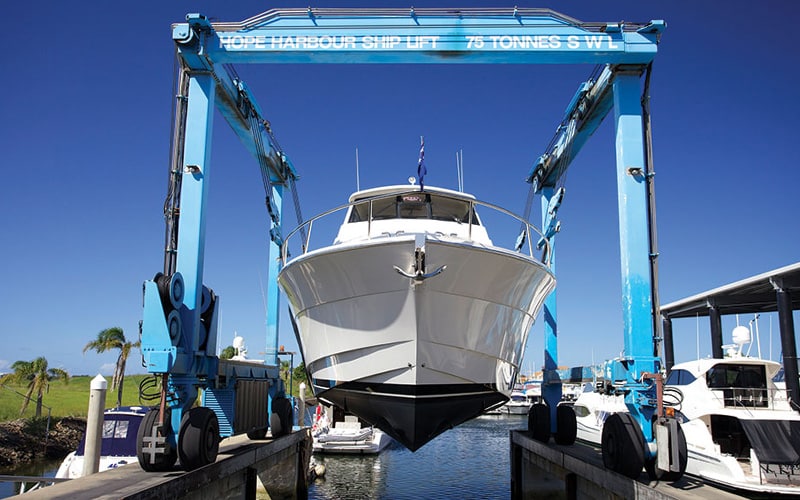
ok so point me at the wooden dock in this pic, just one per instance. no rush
(550, 471)
(280, 464)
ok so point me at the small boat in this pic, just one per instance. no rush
(519, 404)
(741, 432)
(413, 319)
(347, 436)
(118, 448)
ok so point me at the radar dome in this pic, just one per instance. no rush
(741, 335)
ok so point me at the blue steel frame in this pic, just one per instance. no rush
(520, 36)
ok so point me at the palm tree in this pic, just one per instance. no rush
(38, 376)
(114, 338)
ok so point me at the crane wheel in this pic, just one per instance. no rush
(154, 452)
(670, 476)
(566, 425)
(198, 439)
(539, 422)
(623, 445)
(281, 418)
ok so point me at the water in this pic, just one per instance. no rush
(469, 461)
(46, 468)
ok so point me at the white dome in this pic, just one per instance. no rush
(238, 342)
(741, 335)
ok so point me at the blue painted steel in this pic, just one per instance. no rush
(388, 36)
(586, 111)
(551, 382)
(637, 307)
(522, 36)
(194, 192)
(273, 293)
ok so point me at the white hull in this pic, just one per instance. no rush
(371, 442)
(72, 465)
(728, 441)
(414, 356)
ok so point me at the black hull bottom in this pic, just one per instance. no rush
(413, 415)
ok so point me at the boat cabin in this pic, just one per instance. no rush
(741, 384)
(393, 210)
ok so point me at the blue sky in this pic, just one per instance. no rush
(84, 149)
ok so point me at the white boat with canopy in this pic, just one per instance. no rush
(413, 319)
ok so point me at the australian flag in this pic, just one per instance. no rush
(421, 170)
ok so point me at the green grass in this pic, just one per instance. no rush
(72, 399)
(65, 400)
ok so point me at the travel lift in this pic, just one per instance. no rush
(179, 327)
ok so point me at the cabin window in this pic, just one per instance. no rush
(117, 429)
(416, 206)
(581, 411)
(680, 377)
(733, 375)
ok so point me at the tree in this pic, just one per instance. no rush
(299, 374)
(114, 338)
(38, 376)
(228, 352)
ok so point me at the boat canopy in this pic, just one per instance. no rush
(416, 205)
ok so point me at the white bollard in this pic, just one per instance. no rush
(301, 417)
(94, 425)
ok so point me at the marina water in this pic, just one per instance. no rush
(468, 461)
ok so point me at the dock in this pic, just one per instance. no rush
(552, 471)
(279, 464)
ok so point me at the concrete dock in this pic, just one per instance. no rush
(279, 465)
(550, 471)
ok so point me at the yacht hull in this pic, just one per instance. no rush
(414, 357)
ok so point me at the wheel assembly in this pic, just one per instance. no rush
(281, 418)
(539, 422)
(623, 445)
(154, 452)
(675, 443)
(566, 425)
(198, 439)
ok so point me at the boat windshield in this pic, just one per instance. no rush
(727, 375)
(416, 206)
(119, 436)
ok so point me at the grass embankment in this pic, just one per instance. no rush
(72, 399)
(65, 400)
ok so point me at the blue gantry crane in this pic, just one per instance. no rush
(179, 326)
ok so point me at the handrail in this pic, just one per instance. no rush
(310, 222)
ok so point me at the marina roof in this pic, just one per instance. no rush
(750, 295)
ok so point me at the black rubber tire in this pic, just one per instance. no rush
(282, 407)
(670, 476)
(566, 425)
(539, 422)
(198, 439)
(163, 461)
(623, 445)
(257, 433)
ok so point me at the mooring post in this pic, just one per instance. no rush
(301, 411)
(94, 425)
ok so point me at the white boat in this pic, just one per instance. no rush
(741, 432)
(519, 404)
(413, 319)
(347, 437)
(118, 447)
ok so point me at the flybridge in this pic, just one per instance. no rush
(418, 35)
